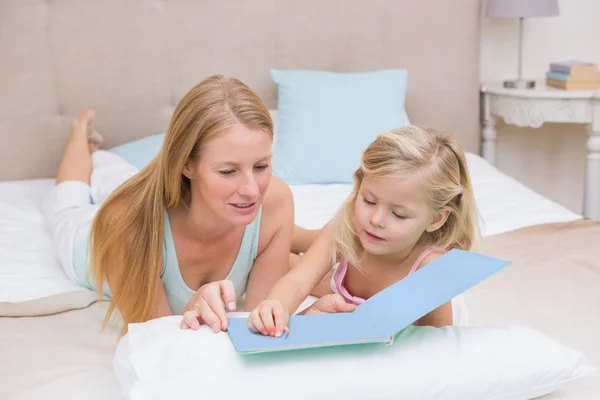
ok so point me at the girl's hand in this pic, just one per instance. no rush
(207, 306)
(269, 318)
(329, 304)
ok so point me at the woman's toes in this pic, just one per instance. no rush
(82, 124)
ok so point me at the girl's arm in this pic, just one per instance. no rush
(296, 285)
(271, 316)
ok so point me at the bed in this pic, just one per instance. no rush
(134, 60)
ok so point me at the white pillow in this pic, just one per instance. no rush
(158, 360)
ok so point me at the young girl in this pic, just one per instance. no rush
(412, 202)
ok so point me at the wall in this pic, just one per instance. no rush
(551, 159)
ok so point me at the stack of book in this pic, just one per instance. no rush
(573, 75)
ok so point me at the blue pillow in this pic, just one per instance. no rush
(327, 119)
(140, 152)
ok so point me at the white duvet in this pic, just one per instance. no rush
(30, 270)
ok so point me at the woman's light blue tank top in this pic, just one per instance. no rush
(178, 293)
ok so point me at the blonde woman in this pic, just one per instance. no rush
(412, 201)
(203, 224)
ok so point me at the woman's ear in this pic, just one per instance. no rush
(439, 219)
(188, 172)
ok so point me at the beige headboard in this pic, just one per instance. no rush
(132, 60)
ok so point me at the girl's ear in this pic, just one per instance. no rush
(439, 220)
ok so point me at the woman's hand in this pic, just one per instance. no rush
(329, 304)
(207, 306)
(269, 318)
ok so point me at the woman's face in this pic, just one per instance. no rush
(232, 174)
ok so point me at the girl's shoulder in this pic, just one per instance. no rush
(429, 254)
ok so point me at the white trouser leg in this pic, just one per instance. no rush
(109, 171)
(69, 212)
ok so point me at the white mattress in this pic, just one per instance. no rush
(29, 269)
(80, 358)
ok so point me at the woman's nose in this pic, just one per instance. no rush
(249, 188)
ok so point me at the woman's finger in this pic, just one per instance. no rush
(190, 319)
(228, 294)
(212, 295)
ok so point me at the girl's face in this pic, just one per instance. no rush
(391, 214)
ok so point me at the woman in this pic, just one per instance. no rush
(200, 226)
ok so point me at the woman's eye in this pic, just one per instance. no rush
(368, 201)
(262, 167)
(227, 172)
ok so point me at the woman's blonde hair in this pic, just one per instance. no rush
(126, 239)
(441, 164)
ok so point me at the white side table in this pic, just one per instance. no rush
(534, 107)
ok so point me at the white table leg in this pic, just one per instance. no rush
(591, 206)
(488, 145)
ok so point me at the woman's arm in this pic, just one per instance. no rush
(161, 306)
(116, 266)
(303, 238)
(276, 227)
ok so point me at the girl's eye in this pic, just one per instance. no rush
(368, 201)
(399, 216)
(262, 167)
(227, 172)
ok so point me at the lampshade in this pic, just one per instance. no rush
(521, 8)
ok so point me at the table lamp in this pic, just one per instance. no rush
(521, 9)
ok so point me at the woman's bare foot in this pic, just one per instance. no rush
(82, 124)
(95, 140)
(82, 128)
(77, 161)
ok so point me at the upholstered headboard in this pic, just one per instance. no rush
(132, 60)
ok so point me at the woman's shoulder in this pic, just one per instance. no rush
(277, 211)
(278, 195)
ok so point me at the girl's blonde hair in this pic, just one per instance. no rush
(440, 162)
(126, 239)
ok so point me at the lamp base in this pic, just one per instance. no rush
(519, 84)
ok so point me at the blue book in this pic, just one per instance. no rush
(559, 76)
(382, 316)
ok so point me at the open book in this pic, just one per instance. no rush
(383, 315)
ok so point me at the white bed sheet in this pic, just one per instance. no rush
(29, 268)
